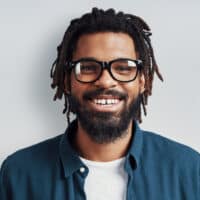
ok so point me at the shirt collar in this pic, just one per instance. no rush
(70, 159)
(135, 149)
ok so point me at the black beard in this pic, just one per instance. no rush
(105, 127)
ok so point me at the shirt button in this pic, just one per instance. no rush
(82, 169)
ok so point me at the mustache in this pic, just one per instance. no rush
(95, 93)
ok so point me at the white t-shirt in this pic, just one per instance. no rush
(106, 180)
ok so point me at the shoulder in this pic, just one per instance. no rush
(33, 157)
(170, 150)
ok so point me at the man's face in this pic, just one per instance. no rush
(105, 122)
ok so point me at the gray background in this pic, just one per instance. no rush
(30, 32)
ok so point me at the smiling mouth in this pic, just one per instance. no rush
(103, 101)
(106, 102)
(107, 98)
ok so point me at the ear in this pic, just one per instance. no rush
(141, 83)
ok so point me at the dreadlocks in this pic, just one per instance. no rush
(104, 21)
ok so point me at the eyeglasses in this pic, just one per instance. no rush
(88, 70)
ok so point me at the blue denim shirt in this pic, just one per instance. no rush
(157, 168)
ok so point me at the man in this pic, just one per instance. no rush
(104, 69)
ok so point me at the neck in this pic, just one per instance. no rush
(91, 150)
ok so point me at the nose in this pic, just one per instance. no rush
(105, 81)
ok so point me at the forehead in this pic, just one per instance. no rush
(105, 46)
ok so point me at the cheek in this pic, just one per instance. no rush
(75, 85)
(133, 90)
(77, 88)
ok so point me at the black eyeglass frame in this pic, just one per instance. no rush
(104, 65)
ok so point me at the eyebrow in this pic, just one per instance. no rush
(96, 59)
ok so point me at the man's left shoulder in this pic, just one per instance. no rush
(170, 150)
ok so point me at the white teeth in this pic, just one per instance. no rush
(106, 101)
(109, 101)
(101, 101)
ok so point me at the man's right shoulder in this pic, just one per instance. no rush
(37, 155)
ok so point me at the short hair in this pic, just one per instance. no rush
(99, 20)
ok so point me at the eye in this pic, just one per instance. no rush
(86, 68)
(123, 69)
